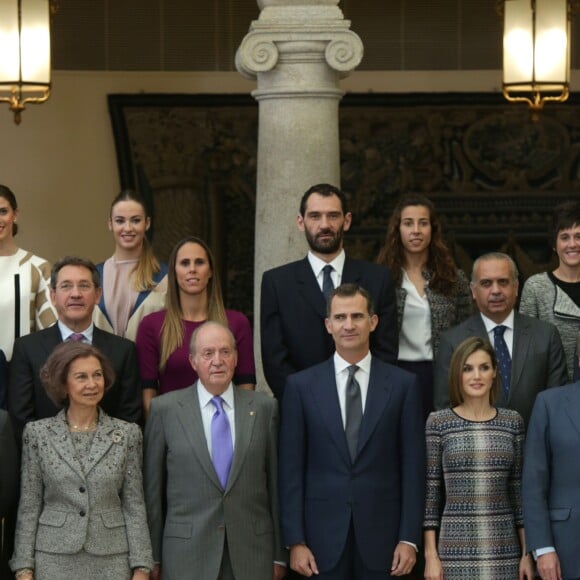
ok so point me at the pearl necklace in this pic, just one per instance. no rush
(92, 425)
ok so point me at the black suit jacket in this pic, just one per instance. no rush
(538, 361)
(293, 310)
(27, 399)
(9, 466)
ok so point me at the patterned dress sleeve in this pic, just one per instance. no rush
(435, 489)
(515, 478)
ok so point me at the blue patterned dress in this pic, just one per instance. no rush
(473, 493)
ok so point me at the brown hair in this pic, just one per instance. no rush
(566, 215)
(460, 355)
(147, 264)
(74, 261)
(54, 373)
(439, 262)
(7, 194)
(173, 328)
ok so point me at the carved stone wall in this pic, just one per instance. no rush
(494, 175)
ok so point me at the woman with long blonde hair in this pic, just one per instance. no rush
(194, 296)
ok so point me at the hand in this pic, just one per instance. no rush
(279, 572)
(302, 560)
(526, 571)
(433, 568)
(155, 573)
(140, 575)
(404, 559)
(549, 567)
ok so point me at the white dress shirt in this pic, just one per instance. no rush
(318, 265)
(362, 376)
(508, 334)
(65, 332)
(208, 410)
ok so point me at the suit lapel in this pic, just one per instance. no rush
(308, 287)
(245, 419)
(105, 436)
(572, 407)
(351, 272)
(189, 416)
(520, 348)
(63, 444)
(325, 396)
(49, 339)
(378, 395)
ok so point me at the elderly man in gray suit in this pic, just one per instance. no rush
(210, 473)
(529, 351)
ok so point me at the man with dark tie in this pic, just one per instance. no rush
(75, 290)
(352, 456)
(210, 473)
(529, 351)
(293, 296)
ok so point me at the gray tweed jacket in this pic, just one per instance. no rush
(542, 299)
(65, 508)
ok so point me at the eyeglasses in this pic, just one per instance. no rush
(224, 353)
(81, 287)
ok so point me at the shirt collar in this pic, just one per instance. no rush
(205, 396)
(341, 365)
(490, 324)
(317, 264)
(65, 331)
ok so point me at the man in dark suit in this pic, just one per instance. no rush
(293, 296)
(352, 456)
(550, 491)
(531, 351)
(210, 472)
(9, 473)
(75, 290)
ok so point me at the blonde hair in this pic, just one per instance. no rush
(147, 265)
(173, 327)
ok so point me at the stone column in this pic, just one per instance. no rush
(298, 50)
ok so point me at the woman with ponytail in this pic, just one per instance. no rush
(133, 281)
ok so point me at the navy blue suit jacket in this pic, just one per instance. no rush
(321, 490)
(292, 313)
(550, 490)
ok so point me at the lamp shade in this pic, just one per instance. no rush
(536, 46)
(25, 52)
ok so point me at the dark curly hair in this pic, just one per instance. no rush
(439, 262)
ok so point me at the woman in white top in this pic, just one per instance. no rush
(24, 281)
(432, 294)
(134, 282)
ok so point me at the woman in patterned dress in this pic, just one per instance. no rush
(473, 516)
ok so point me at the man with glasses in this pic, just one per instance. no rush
(75, 290)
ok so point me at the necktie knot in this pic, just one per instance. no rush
(351, 371)
(76, 337)
(218, 403)
(499, 330)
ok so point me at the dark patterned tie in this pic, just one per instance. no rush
(327, 283)
(222, 450)
(353, 412)
(504, 360)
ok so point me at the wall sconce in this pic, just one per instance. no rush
(536, 52)
(25, 50)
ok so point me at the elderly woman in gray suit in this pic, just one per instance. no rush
(81, 511)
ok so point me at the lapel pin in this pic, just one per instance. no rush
(252, 413)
